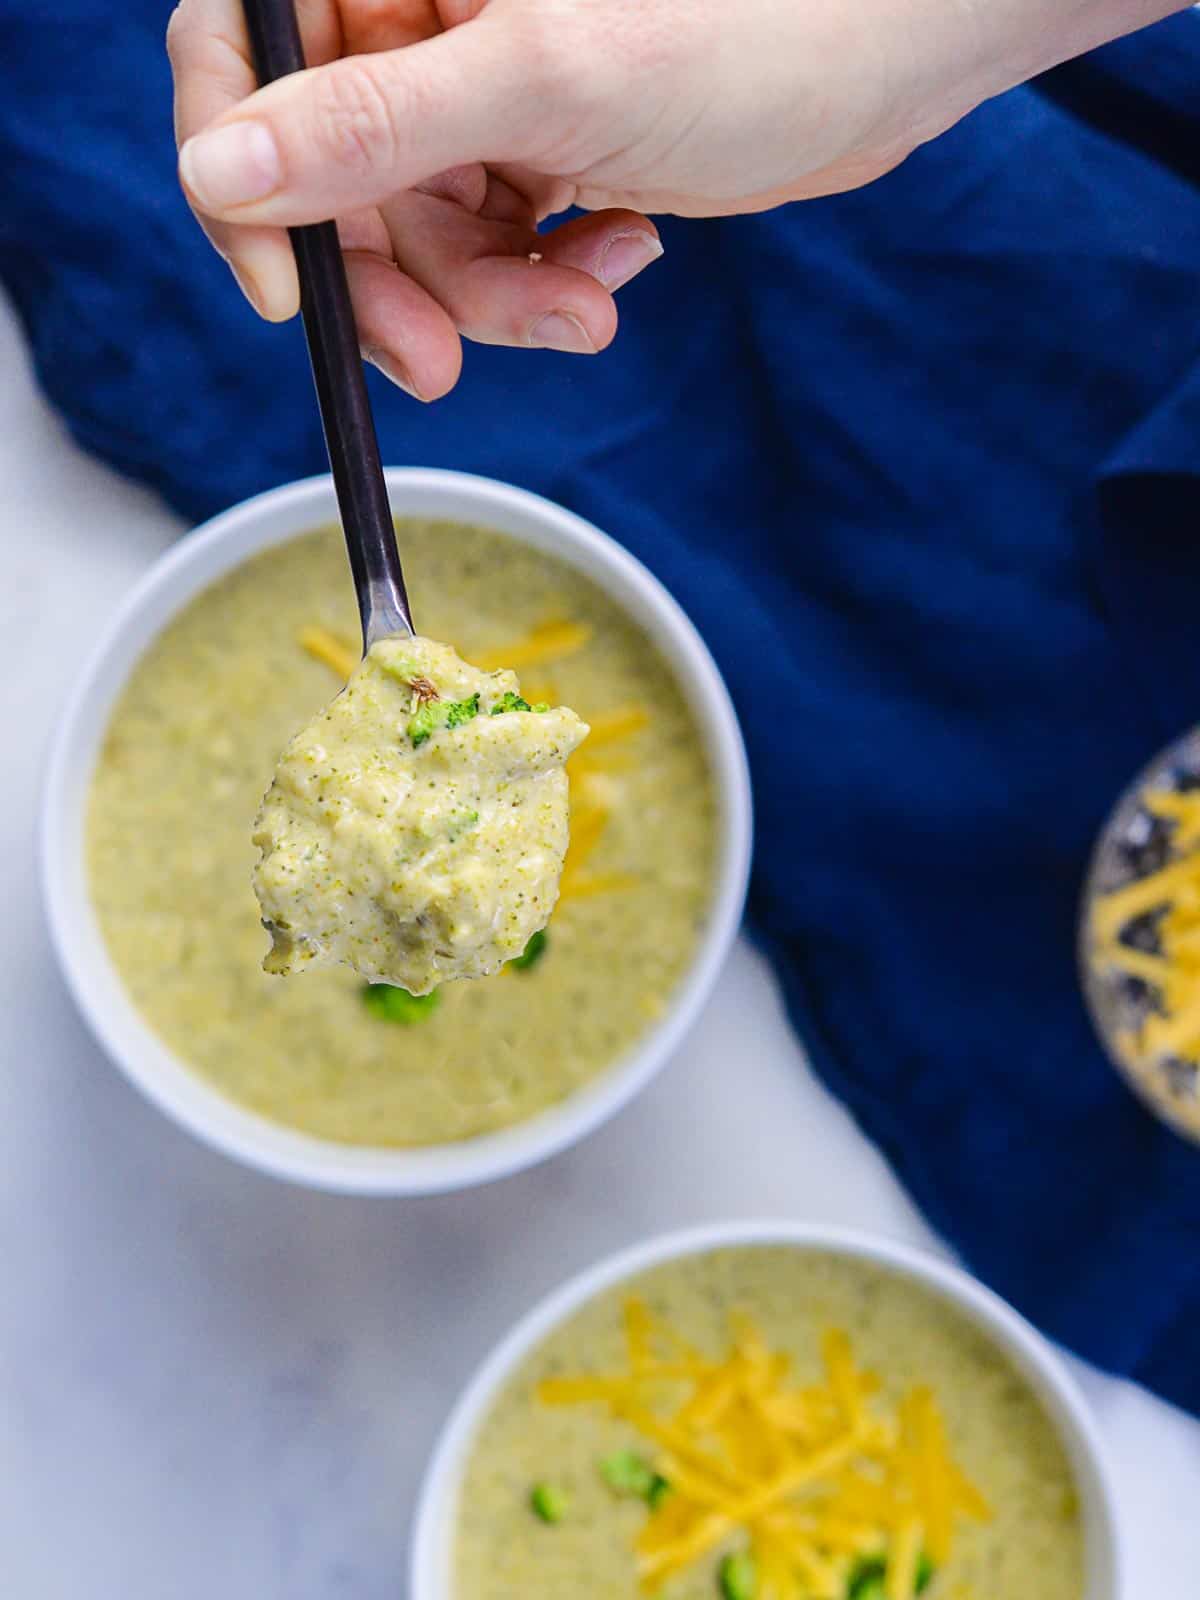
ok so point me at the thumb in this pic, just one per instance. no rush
(334, 138)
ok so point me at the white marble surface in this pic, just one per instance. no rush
(212, 1384)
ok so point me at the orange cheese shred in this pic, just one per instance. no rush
(328, 649)
(549, 641)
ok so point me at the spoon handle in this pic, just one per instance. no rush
(338, 371)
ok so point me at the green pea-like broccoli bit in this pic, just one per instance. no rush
(625, 1472)
(548, 1502)
(532, 953)
(868, 1581)
(509, 701)
(390, 1003)
(738, 1577)
(435, 714)
(660, 1488)
(868, 1589)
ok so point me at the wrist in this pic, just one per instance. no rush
(1036, 36)
(972, 50)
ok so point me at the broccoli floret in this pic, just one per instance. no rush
(392, 1004)
(435, 714)
(460, 711)
(509, 701)
(532, 953)
(423, 721)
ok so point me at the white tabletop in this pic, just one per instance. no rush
(214, 1384)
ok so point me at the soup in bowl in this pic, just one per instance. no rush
(769, 1412)
(232, 642)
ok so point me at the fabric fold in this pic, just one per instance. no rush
(1145, 552)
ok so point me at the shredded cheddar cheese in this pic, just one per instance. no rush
(328, 649)
(587, 825)
(619, 724)
(549, 641)
(811, 1479)
(543, 690)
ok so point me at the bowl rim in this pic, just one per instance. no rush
(1035, 1359)
(175, 579)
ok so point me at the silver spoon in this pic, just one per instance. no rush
(338, 372)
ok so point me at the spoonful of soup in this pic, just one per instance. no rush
(417, 828)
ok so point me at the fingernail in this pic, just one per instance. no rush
(392, 370)
(249, 288)
(625, 255)
(231, 166)
(559, 330)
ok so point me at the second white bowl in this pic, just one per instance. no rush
(432, 1557)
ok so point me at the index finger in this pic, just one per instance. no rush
(209, 50)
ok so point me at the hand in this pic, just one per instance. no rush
(440, 133)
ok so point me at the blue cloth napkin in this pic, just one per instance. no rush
(921, 463)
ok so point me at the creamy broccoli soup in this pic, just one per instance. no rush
(416, 829)
(768, 1423)
(190, 750)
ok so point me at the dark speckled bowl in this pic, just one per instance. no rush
(1132, 844)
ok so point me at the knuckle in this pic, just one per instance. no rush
(355, 119)
(196, 49)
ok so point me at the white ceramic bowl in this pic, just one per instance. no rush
(433, 1529)
(194, 563)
